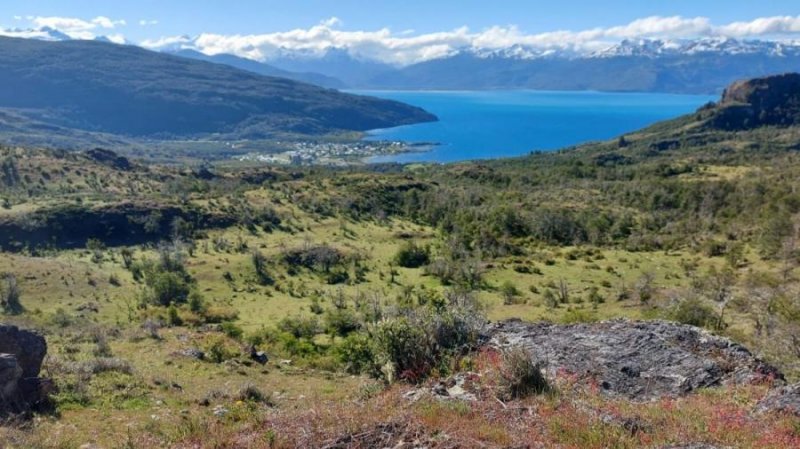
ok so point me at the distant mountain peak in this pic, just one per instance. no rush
(654, 48)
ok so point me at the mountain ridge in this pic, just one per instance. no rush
(129, 91)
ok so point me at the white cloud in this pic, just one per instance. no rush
(766, 26)
(170, 42)
(117, 38)
(332, 22)
(405, 47)
(74, 27)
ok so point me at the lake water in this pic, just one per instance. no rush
(493, 124)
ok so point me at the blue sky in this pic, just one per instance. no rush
(260, 16)
(399, 32)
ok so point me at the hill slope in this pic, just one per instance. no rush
(680, 73)
(130, 91)
(264, 69)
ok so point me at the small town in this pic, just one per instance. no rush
(333, 153)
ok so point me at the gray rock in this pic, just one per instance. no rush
(10, 374)
(636, 360)
(259, 357)
(21, 355)
(781, 400)
(28, 347)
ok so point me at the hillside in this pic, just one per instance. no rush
(263, 69)
(244, 305)
(125, 90)
(699, 73)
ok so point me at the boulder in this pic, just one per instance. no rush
(636, 360)
(781, 400)
(21, 355)
(28, 347)
(259, 357)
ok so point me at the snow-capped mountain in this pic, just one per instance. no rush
(703, 65)
(653, 48)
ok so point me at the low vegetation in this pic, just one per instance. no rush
(231, 300)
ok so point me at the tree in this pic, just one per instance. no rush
(718, 286)
(260, 266)
(510, 292)
(644, 287)
(412, 255)
(10, 296)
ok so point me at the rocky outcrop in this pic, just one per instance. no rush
(109, 159)
(636, 360)
(768, 101)
(124, 223)
(781, 400)
(21, 355)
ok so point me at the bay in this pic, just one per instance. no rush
(494, 124)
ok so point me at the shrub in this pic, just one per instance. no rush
(357, 354)
(106, 365)
(10, 296)
(173, 319)
(412, 256)
(519, 376)
(694, 312)
(341, 322)
(232, 330)
(218, 349)
(410, 346)
(251, 393)
(260, 266)
(319, 258)
(300, 327)
(510, 293)
(167, 288)
(404, 350)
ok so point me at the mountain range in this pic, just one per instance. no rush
(698, 66)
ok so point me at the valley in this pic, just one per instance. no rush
(220, 304)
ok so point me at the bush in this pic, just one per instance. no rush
(319, 258)
(413, 256)
(10, 296)
(251, 393)
(260, 266)
(519, 376)
(167, 288)
(106, 365)
(357, 354)
(300, 327)
(342, 322)
(409, 347)
(510, 293)
(232, 330)
(694, 312)
(218, 349)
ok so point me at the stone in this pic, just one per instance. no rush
(781, 400)
(259, 357)
(21, 356)
(636, 360)
(28, 347)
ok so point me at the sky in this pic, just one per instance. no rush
(400, 32)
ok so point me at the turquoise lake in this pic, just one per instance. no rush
(493, 124)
